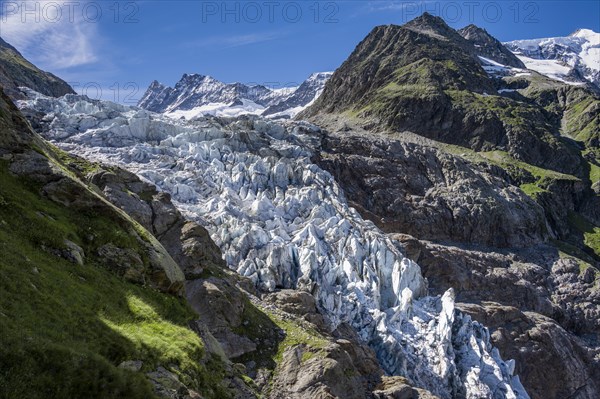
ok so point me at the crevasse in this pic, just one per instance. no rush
(283, 222)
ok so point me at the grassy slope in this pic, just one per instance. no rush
(64, 327)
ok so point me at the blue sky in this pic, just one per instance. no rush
(121, 47)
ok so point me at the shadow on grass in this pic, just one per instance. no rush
(65, 328)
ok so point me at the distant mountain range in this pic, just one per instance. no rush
(573, 59)
(196, 95)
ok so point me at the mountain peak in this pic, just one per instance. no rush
(428, 19)
(432, 26)
(156, 84)
(473, 29)
(192, 77)
(587, 34)
(204, 94)
(488, 46)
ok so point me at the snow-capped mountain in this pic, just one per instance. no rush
(196, 95)
(301, 97)
(574, 58)
(284, 222)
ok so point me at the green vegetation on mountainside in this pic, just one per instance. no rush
(65, 328)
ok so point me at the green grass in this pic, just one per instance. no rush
(594, 173)
(262, 325)
(532, 189)
(569, 250)
(583, 122)
(591, 233)
(515, 167)
(296, 334)
(65, 328)
(81, 165)
(507, 110)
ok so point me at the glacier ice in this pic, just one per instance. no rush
(283, 222)
(559, 57)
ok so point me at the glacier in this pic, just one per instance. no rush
(283, 222)
(569, 59)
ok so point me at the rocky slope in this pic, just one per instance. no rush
(488, 46)
(425, 78)
(485, 171)
(282, 222)
(197, 95)
(16, 71)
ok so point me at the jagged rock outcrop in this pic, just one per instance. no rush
(573, 367)
(425, 192)
(488, 46)
(16, 71)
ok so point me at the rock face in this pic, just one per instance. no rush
(557, 291)
(427, 193)
(159, 271)
(16, 71)
(489, 47)
(187, 242)
(283, 222)
(574, 371)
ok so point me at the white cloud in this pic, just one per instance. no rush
(52, 34)
(407, 8)
(233, 41)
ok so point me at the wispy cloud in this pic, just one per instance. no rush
(49, 34)
(233, 40)
(410, 8)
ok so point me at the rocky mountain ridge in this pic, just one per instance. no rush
(16, 71)
(197, 95)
